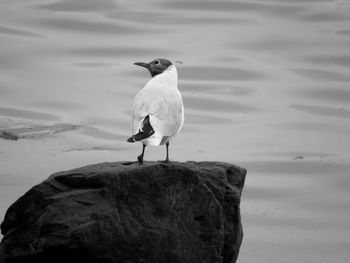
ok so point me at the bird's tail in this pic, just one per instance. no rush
(145, 131)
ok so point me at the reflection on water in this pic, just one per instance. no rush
(17, 32)
(80, 6)
(320, 74)
(117, 52)
(345, 32)
(26, 114)
(325, 94)
(324, 111)
(265, 86)
(329, 60)
(266, 7)
(205, 73)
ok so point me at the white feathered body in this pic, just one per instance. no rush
(162, 101)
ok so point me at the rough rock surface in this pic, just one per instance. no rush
(2, 260)
(125, 212)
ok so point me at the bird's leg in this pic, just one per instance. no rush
(167, 152)
(140, 157)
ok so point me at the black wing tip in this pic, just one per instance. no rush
(131, 139)
(140, 136)
(147, 131)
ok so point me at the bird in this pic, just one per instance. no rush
(157, 113)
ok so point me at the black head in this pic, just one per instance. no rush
(156, 66)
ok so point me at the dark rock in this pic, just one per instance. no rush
(125, 212)
(2, 259)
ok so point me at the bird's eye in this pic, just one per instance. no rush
(156, 62)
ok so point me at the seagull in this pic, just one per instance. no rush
(157, 110)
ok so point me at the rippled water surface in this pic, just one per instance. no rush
(265, 86)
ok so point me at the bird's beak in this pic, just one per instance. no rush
(145, 65)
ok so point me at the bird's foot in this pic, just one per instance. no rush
(165, 161)
(140, 159)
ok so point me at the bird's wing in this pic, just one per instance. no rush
(163, 107)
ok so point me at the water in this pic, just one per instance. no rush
(265, 86)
